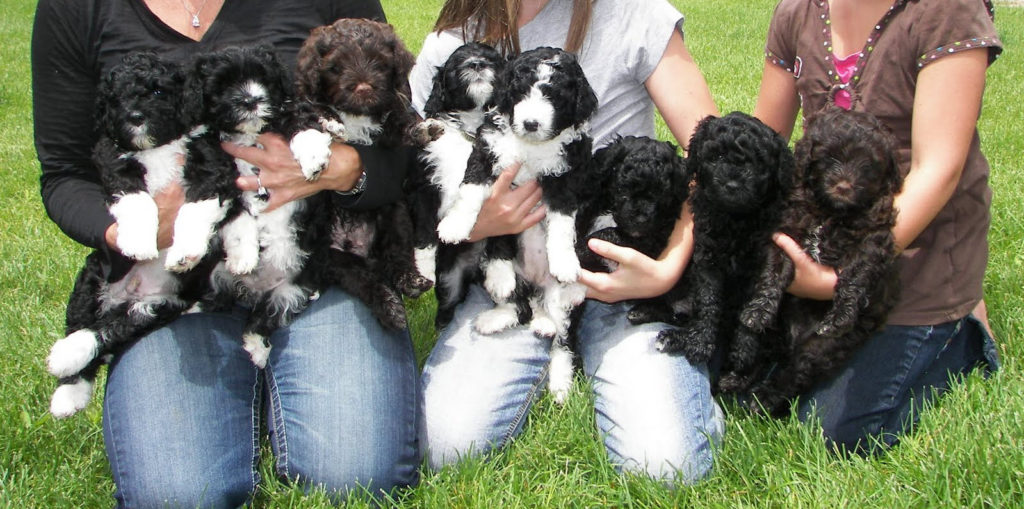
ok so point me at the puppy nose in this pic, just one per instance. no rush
(362, 89)
(136, 117)
(249, 103)
(531, 125)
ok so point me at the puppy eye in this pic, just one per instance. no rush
(158, 91)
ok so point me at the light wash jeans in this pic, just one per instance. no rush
(182, 411)
(654, 410)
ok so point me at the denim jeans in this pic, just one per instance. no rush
(654, 411)
(183, 406)
(880, 392)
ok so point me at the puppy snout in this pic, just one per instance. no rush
(136, 118)
(531, 126)
(363, 89)
(250, 103)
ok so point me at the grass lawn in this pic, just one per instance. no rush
(966, 452)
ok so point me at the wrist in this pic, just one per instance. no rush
(349, 174)
(110, 236)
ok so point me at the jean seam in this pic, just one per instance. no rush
(109, 413)
(900, 384)
(254, 419)
(278, 422)
(524, 408)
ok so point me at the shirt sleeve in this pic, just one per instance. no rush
(654, 22)
(958, 26)
(780, 45)
(437, 47)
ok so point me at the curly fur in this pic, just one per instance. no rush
(743, 172)
(464, 88)
(541, 121)
(351, 83)
(842, 214)
(143, 144)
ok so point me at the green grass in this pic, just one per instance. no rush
(966, 452)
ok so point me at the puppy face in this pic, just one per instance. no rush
(847, 159)
(648, 186)
(546, 94)
(238, 90)
(140, 102)
(466, 81)
(739, 163)
(358, 66)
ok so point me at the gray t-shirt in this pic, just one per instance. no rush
(624, 44)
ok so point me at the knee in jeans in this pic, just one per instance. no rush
(853, 439)
(371, 476)
(167, 494)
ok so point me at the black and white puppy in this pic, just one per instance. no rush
(842, 214)
(463, 90)
(143, 148)
(352, 84)
(743, 173)
(542, 122)
(243, 92)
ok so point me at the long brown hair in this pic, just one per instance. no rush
(494, 22)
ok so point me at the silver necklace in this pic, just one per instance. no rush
(195, 15)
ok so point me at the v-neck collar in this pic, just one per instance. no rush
(211, 32)
(866, 50)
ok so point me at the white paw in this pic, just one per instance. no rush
(499, 279)
(496, 319)
(312, 150)
(242, 258)
(180, 260)
(564, 267)
(455, 228)
(335, 128)
(543, 327)
(69, 355)
(426, 262)
(560, 373)
(68, 399)
(259, 351)
(137, 219)
(192, 231)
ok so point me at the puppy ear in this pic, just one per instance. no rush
(438, 94)
(785, 171)
(193, 93)
(693, 152)
(308, 62)
(403, 62)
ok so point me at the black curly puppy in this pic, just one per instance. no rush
(842, 214)
(143, 147)
(464, 88)
(743, 173)
(644, 184)
(351, 83)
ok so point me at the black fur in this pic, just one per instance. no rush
(842, 214)
(743, 172)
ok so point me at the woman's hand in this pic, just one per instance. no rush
(508, 211)
(637, 277)
(281, 175)
(811, 280)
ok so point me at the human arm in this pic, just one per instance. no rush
(947, 100)
(680, 93)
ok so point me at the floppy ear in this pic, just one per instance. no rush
(438, 94)
(786, 164)
(403, 65)
(693, 153)
(193, 93)
(308, 62)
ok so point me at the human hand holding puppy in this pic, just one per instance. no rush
(168, 201)
(508, 211)
(281, 175)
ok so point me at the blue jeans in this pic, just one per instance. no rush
(182, 411)
(879, 394)
(654, 411)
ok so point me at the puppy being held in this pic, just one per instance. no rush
(842, 215)
(143, 148)
(464, 88)
(541, 121)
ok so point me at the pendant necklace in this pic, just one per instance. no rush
(195, 15)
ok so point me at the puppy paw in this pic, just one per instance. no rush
(543, 327)
(564, 267)
(426, 262)
(756, 318)
(69, 355)
(499, 279)
(242, 259)
(390, 311)
(137, 248)
(335, 129)
(455, 228)
(181, 262)
(259, 350)
(312, 149)
(69, 398)
(496, 319)
(560, 373)
(428, 131)
(413, 284)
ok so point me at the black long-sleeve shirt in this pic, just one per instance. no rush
(74, 42)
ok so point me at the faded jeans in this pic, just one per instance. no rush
(654, 411)
(182, 411)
